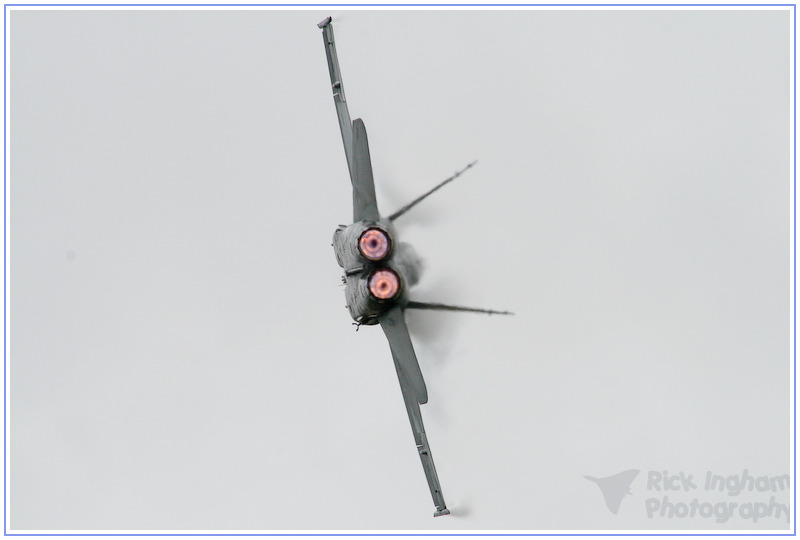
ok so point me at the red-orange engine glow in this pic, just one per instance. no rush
(374, 244)
(384, 284)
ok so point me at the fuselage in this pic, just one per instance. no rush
(365, 251)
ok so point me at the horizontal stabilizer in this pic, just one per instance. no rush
(405, 360)
(365, 206)
(446, 307)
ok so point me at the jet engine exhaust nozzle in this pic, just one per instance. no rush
(384, 284)
(374, 244)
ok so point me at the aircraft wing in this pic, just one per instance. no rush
(414, 392)
(354, 137)
(345, 125)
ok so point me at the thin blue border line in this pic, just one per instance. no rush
(794, 262)
(5, 108)
(794, 224)
(400, 5)
(722, 533)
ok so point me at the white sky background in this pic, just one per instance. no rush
(181, 357)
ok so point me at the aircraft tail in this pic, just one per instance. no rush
(447, 307)
(419, 199)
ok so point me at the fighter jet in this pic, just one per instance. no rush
(375, 278)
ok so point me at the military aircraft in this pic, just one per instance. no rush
(376, 269)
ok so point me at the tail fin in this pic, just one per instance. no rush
(446, 307)
(419, 199)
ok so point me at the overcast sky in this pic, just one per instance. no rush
(181, 356)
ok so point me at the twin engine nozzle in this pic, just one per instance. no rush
(375, 245)
(364, 250)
